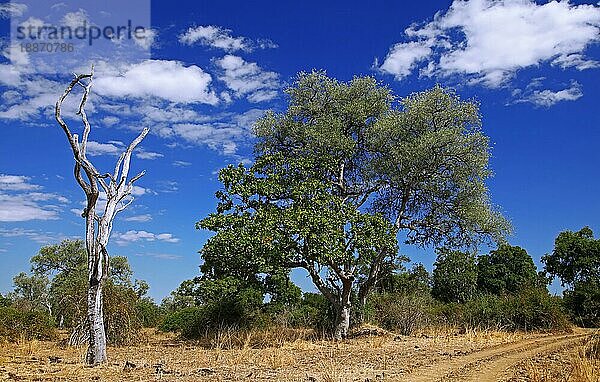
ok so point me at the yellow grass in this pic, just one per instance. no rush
(277, 355)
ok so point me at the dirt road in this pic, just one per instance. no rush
(493, 364)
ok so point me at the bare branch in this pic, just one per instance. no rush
(124, 205)
(127, 157)
(58, 113)
(138, 176)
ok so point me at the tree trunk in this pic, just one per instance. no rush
(342, 321)
(96, 352)
(118, 197)
(360, 309)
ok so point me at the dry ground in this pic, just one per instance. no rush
(284, 355)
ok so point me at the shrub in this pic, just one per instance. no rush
(16, 324)
(183, 321)
(506, 270)
(121, 321)
(583, 303)
(532, 309)
(239, 312)
(454, 276)
(313, 311)
(148, 313)
(403, 313)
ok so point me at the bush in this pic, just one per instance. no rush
(454, 276)
(532, 309)
(403, 313)
(16, 324)
(194, 322)
(313, 311)
(583, 303)
(182, 321)
(149, 314)
(121, 321)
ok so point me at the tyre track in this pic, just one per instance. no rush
(491, 364)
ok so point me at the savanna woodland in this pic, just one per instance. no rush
(341, 183)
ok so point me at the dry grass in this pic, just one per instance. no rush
(274, 355)
(586, 361)
(578, 364)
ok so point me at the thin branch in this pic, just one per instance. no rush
(127, 157)
(124, 206)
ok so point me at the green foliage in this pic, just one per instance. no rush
(183, 321)
(576, 261)
(338, 175)
(531, 309)
(414, 281)
(313, 311)
(59, 285)
(576, 257)
(31, 293)
(149, 314)
(432, 156)
(454, 276)
(226, 302)
(16, 324)
(400, 312)
(505, 270)
(121, 320)
(583, 303)
(5, 301)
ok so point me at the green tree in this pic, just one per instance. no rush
(416, 280)
(339, 174)
(5, 301)
(506, 270)
(454, 276)
(65, 265)
(576, 257)
(31, 293)
(575, 260)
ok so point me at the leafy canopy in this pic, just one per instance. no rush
(340, 173)
(506, 270)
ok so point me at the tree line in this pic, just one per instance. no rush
(501, 290)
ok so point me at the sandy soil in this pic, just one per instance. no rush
(443, 356)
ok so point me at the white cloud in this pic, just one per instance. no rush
(76, 19)
(138, 191)
(549, 98)
(161, 256)
(181, 163)
(139, 218)
(223, 136)
(24, 207)
(488, 41)
(168, 186)
(403, 58)
(19, 200)
(110, 120)
(34, 235)
(94, 148)
(142, 154)
(168, 80)
(135, 236)
(248, 79)
(221, 38)
(12, 9)
(17, 183)
(146, 39)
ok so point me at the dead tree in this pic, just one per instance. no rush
(98, 226)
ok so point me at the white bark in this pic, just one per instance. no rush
(98, 227)
(342, 322)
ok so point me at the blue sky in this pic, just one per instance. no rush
(206, 70)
